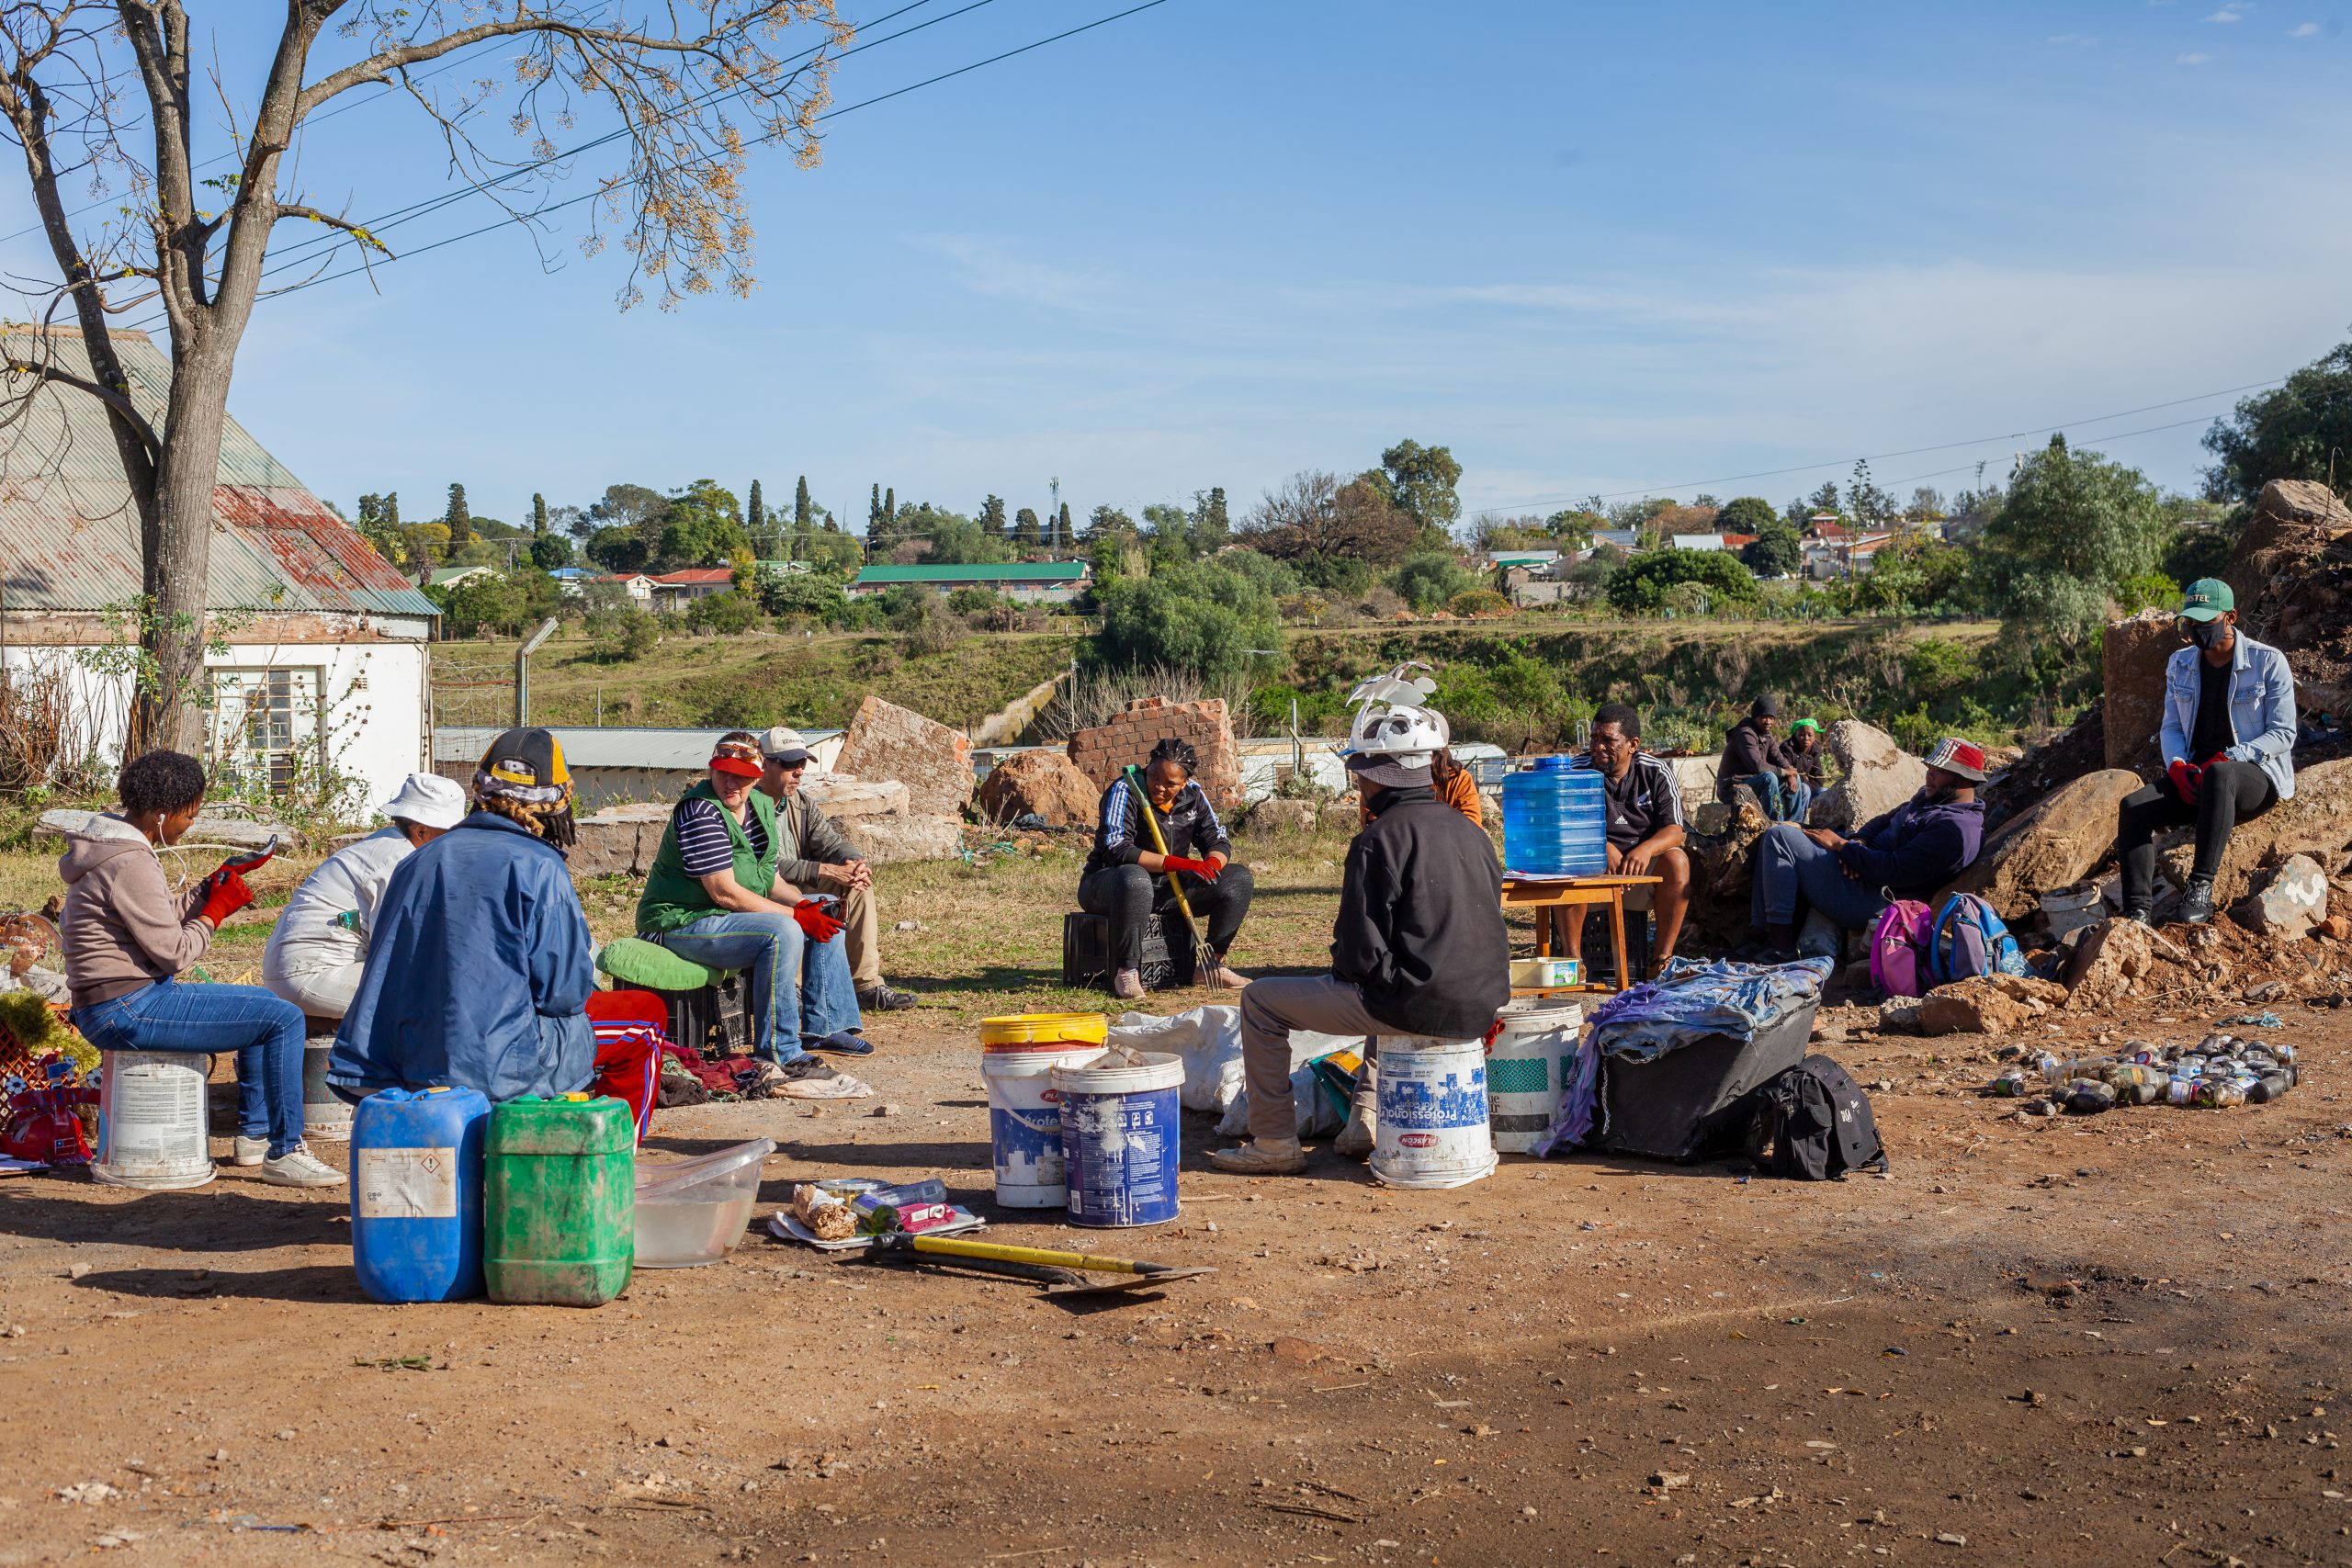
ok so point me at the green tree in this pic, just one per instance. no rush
(2072, 531)
(1064, 536)
(1197, 617)
(1645, 583)
(2300, 430)
(1171, 528)
(991, 518)
(1778, 550)
(1418, 481)
(620, 550)
(816, 595)
(1427, 580)
(1026, 525)
(550, 551)
(874, 513)
(724, 613)
(957, 540)
(538, 515)
(702, 525)
(1746, 514)
(1871, 507)
(459, 520)
(1211, 525)
(755, 513)
(803, 519)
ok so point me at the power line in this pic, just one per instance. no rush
(1909, 451)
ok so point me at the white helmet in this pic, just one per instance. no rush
(1396, 686)
(1392, 743)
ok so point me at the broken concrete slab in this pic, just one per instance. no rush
(1043, 782)
(844, 797)
(2133, 652)
(1874, 776)
(890, 840)
(619, 840)
(236, 832)
(887, 741)
(2056, 844)
(2290, 904)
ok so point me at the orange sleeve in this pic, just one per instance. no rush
(1461, 793)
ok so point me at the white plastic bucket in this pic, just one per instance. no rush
(1121, 1136)
(325, 1115)
(1433, 1114)
(2071, 908)
(1025, 1124)
(1527, 1071)
(152, 1121)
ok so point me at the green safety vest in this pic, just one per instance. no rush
(672, 898)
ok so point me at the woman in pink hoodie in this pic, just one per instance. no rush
(128, 936)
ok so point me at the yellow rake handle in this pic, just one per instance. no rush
(1159, 845)
(956, 1247)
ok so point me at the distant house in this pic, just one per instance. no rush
(451, 575)
(674, 590)
(636, 584)
(1032, 583)
(1623, 538)
(1698, 541)
(1505, 560)
(572, 579)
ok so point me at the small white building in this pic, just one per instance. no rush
(321, 675)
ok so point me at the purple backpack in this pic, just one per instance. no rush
(1899, 948)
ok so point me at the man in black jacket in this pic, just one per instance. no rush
(1419, 947)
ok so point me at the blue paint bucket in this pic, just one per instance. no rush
(1120, 1138)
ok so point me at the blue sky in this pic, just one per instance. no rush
(1591, 248)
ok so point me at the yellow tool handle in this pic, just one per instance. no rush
(1160, 844)
(956, 1247)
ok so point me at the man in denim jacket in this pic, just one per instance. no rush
(2229, 739)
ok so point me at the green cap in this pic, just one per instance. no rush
(2207, 599)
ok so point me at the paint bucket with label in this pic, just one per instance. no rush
(151, 1123)
(1120, 1136)
(1433, 1128)
(1026, 1121)
(1528, 1070)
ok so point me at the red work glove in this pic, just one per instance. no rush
(2185, 780)
(1205, 870)
(813, 920)
(225, 893)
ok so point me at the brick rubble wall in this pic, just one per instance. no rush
(1101, 752)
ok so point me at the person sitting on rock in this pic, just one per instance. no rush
(1126, 877)
(1752, 757)
(1801, 752)
(317, 950)
(2229, 743)
(1644, 825)
(815, 856)
(1418, 947)
(127, 934)
(479, 961)
(714, 895)
(1834, 883)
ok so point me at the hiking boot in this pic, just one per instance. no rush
(299, 1168)
(2142, 913)
(2196, 903)
(807, 1078)
(882, 998)
(1211, 972)
(1256, 1158)
(249, 1151)
(1128, 986)
(1355, 1139)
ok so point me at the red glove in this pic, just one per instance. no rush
(812, 918)
(2185, 780)
(225, 893)
(1205, 870)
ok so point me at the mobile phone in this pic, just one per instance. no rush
(247, 861)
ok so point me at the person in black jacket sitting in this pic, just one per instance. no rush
(1124, 878)
(1419, 947)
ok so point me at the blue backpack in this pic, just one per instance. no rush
(1969, 939)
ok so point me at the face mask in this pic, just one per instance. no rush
(2208, 634)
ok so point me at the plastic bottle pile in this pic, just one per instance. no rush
(2219, 1071)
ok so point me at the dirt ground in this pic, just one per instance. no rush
(2110, 1339)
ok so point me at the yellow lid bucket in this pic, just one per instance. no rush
(1014, 1031)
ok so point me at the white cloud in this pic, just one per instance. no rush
(2306, 29)
(993, 266)
(2194, 58)
(2227, 13)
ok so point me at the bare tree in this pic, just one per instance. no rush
(1313, 518)
(105, 95)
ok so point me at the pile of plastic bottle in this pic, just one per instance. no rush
(2217, 1071)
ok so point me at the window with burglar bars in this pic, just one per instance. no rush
(266, 726)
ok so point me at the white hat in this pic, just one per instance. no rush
(785, 744)
(428, 800)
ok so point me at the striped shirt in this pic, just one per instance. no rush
(703, 844)
(1641, 802)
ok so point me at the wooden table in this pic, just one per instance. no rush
(1550, 899)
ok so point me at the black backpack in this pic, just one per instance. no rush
(1816, 1125)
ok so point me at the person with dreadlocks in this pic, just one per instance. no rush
(479, 963)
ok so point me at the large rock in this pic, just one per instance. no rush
(1875, 776)
(2317, 822)
(1274, 815)
(2117, 958)
(2292, 573)
(2132, 655)
(1101, 752)
(2294, 900)
(619, 840)
(1045, 783)
(844, 798)
(1989, 1004)
(887, 741)
(887, 841)
(2056, 844)
(236, 832)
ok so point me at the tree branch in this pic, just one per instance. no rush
(356, 230)
(379, 68)
(120, 402)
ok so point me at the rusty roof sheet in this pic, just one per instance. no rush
(70, 538)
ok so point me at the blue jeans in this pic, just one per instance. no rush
(1781, 802)
(772, 950)
(265, 1031)
(1790, 870)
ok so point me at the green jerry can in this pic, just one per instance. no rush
(558, 1200)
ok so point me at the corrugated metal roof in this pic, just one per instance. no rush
(586, 746)
(1010, 571)
(69, 534)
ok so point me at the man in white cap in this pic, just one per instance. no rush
(816, 857)
(319, 947)
(1419, 947)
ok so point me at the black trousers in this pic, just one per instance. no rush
(2228, 792)
(1128, 895)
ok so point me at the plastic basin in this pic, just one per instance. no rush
(689, 1213)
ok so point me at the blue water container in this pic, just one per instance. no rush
(1555, 820)
(416, 1187)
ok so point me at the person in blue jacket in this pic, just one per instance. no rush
(479, 965)
(1836, 884)
(2229, 744)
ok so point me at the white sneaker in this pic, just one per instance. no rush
(250, 1151)
(1127, 985)
(299, 1167)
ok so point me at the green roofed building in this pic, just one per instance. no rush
(1031, 582)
